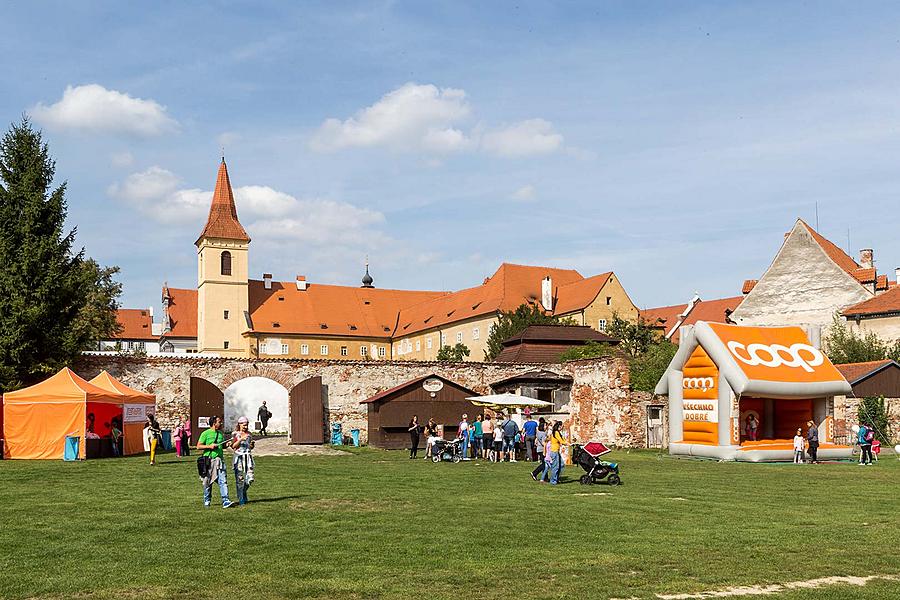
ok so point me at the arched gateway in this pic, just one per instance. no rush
(305, 404)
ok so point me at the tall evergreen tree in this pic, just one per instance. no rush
(54, 301)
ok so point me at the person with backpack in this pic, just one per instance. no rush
(865, 436)
(510, 431)
(211, 464)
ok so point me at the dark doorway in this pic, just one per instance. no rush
(207, 401)
(307, 412)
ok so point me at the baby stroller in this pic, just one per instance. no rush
(446, 450)
(588, 456)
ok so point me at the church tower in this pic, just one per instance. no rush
(222, 288)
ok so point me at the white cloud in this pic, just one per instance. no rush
(270, 216)
(121, 159)
(525, 138)
(417, 117)
(412, 117)
(227, 139)
(526, 193)
(93, 108)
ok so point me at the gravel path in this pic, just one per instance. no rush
(277, 445)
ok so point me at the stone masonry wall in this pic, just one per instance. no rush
(601, 405)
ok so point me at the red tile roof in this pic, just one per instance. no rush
(853, 372)
(329, 309)
(864, 275)
(712, 311)
(533, 353)
(748, 286)
(136, 323)
(182, 312)
(223, 220)
(841, 258)
(566, 334)
(508, 288)
(882, 283)
(882, 304)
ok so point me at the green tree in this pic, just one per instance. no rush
(647, 368)
(872, 411)
(634, 338)
(844, 345)
(55, 302)
(590, 350)
(456, 353)
(511, 323)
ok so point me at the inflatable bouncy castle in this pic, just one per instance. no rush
(741, 393)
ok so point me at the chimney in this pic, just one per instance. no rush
(267, 280)
(547, 293)
(897, 276)
(301, 283)
(866, 258)
(150, 309)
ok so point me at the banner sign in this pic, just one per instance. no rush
(134, 413)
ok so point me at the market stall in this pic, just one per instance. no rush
(136, 405)
(740, 393)
(37, 419)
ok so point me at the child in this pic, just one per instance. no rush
(497, 456)
(799, 446)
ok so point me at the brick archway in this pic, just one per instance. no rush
(277, 375)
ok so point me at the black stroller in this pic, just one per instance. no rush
(588, 456)
(446, 450)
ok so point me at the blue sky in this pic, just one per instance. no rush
(673, 143)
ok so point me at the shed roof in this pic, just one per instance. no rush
(412, 383)
(559, 333)
(856, 372)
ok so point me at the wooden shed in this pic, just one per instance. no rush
(431, 397)
(875, 378)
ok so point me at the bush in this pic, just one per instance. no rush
(590, 350)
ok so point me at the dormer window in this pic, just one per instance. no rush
(281, 298)
(353, 328)
(276, 324)
(226, 263)
(323, 325)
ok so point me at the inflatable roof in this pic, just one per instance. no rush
(775, 362)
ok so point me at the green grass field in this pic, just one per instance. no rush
(374, 524)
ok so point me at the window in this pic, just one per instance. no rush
(428, 343)
(418, 345)
(225, 345)
(344, 351)
(323, 349)
(443, 339)
(304, 349)
(601, 325)
(459, 337)
(225, 314)
(382, 352)
(126, 346)
(140, 346)
(285, 349)
(475, 333)
(363, 351)
(608, 300)
(226, 263)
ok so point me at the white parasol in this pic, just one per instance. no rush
(507, 401)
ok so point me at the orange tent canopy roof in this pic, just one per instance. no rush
(64, 387)
(108, 382)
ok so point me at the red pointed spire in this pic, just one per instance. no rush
(223, 220)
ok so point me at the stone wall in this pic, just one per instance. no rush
(846, 415)
(601, 405)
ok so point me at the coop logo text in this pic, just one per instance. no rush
(698, 383)
(798, 355)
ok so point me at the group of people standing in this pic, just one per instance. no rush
(500, 438)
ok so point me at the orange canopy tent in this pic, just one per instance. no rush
(136, 406)
(37, 419)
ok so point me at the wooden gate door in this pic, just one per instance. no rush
(307, 412)
(207, 400)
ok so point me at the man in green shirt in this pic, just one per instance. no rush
(212, 442)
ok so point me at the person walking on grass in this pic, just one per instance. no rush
(529, 431)
(540, 442)
(812, 437)
(510, 431)
(430, 437)
(154, 434)
(242, 444)
(799, 446)
(487, 437)
(263, 415)
(413, 436)
(555, 442)
(212, 442)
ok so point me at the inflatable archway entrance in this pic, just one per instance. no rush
(722, 374)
